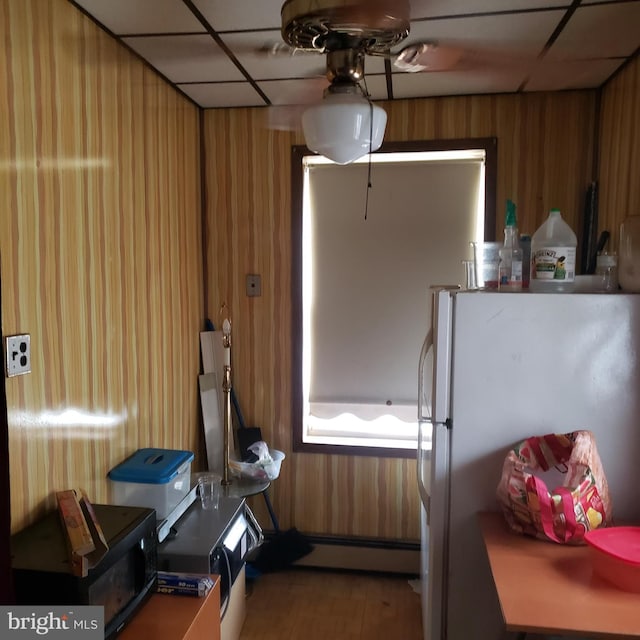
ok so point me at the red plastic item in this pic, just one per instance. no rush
(615, 555)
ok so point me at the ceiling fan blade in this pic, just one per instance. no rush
(432, 56)
(285, 117)
(428, 56)
(285, 113)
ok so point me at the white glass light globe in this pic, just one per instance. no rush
(339, 127)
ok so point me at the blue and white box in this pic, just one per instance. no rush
(154, 478)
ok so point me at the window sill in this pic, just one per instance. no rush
(361, 448)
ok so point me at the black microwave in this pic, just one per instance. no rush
(120, 582)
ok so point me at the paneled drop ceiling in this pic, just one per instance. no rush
(214, 50)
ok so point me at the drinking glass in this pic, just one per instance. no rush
(209, 487)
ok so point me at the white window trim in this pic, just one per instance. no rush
(397, 428)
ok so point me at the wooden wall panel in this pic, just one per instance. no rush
(102, 263)
(545, 147)
(619, 166)
(101, 253)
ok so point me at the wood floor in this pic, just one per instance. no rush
(314, 604)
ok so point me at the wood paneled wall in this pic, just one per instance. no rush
(102, 262)
(619, 158)
(101, 251)
(545, 147)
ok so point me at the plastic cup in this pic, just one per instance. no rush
(209, 489)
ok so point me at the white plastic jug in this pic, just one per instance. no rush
(553, 256)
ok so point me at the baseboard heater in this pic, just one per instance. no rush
(362, 554)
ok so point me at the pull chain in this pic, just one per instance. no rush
(366, 202)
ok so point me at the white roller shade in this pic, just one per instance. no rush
(369, 279)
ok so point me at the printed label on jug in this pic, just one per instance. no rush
(554, 263)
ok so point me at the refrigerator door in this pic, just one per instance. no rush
(433, 465)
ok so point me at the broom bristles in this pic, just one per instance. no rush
(282, 551)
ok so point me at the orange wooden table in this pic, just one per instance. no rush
(549, 588)
(173, 617)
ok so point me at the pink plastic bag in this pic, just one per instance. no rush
(580, 503)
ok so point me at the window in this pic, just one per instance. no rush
(361, 301)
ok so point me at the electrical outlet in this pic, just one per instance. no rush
(18, 350)
(254, 285)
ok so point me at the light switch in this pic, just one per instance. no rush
(254, 285)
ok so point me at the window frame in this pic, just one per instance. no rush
(298, 153)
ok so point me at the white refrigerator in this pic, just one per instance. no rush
(496, 368)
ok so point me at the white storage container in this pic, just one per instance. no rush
(154, 478)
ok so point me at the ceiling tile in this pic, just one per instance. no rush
(292, 92)
(249, 49)
(449, 83)
(599, 31)
(186, 58)
(223, 94)
(236, 15)
(571, 74)
(373, 64)
(434, 8)
(523, 35)
(142, 16)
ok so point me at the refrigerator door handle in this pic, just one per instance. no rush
(423, 489)
(424, 422)
(427, 346)
(442, 327)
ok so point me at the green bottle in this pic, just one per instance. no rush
(511, 253)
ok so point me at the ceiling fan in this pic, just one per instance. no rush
(345, 124)
(370, 26)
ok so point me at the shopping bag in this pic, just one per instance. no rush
(579, 503)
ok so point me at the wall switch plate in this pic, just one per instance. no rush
(18, 351)
(254, 285)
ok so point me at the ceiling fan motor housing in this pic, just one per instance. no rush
(372, 26)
